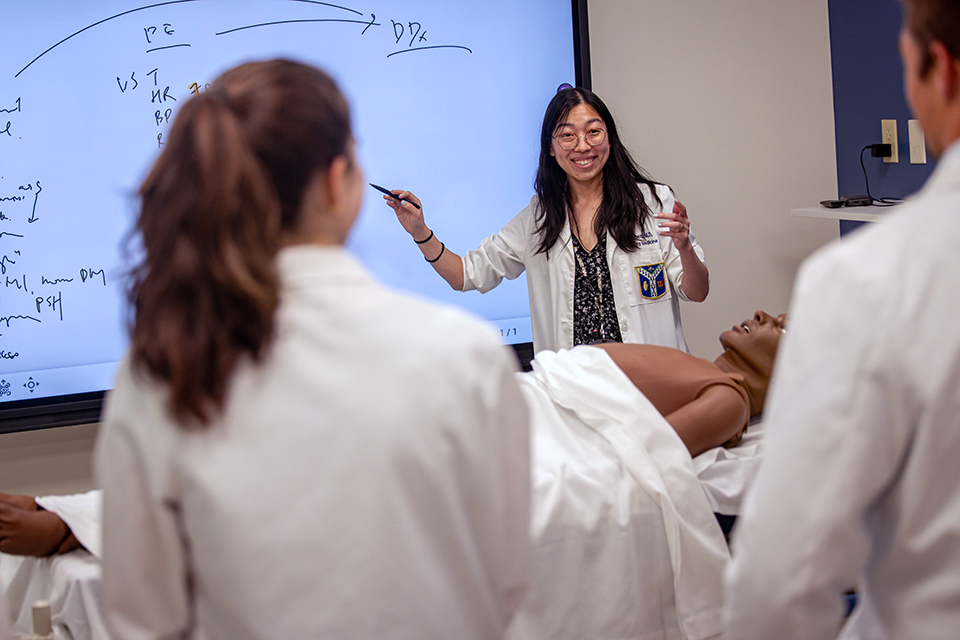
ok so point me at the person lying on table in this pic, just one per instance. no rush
(708, 403)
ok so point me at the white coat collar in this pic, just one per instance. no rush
(309, 265)
(947, 173)
(566, 235)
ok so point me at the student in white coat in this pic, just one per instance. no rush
(859, 487)
(291, 450)
(599, 268)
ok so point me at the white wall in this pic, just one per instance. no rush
(730, 102)
(47, 461)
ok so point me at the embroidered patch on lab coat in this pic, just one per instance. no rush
(647, 239)
(653, 282)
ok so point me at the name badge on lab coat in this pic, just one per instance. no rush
(653, 281)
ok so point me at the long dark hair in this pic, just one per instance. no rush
(229, 182)
(623, 207)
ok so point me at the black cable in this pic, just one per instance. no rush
(879, 202)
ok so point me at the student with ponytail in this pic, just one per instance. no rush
(292, 450)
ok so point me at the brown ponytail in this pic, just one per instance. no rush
(229, 182)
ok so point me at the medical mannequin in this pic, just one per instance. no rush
(708, 403)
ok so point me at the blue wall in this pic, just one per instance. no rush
(867, 88)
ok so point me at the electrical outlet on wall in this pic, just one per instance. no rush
(918, 145)
(888, 135)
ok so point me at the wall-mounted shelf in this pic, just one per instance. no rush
(860, 214)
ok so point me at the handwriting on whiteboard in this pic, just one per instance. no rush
(162, 36)
(31, 296)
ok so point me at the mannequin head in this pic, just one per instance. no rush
(750, 349)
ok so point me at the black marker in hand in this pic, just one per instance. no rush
(389, 193)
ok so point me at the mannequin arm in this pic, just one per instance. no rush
(710, 420)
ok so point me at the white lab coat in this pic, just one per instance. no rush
(6, 630)
(370, 479)
(860, 487)
(550, 276)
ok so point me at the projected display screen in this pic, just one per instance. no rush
(446, 97)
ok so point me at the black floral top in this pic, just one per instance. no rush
(594, 311)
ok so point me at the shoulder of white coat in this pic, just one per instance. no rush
(867, 254)
(531, 212)
(879, 272)
(134, 392)
(136, 420)
(443, 328)
(524, 223)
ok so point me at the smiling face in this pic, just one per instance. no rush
(583, 164)
(756, 340)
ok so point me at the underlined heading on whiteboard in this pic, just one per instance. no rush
(412, 29)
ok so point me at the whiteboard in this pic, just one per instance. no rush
(447, 100)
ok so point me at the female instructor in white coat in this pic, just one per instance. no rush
(291, 450)
(598, 268)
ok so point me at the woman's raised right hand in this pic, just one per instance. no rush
(410, 217)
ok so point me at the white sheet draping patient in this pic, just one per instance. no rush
(625, 544)
(624, 540)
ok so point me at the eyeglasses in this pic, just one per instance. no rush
(568, 141)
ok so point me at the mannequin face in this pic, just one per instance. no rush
(756, 340)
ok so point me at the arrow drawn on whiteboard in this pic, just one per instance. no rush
(99, 22)
(327, 4)
(268, 24)
(373, 23)
(153, 6)
(33, 213)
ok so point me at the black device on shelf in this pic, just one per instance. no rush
(848, 201)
